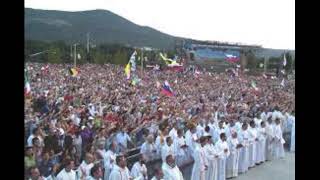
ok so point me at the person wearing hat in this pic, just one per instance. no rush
(170, 170)
(200, 165)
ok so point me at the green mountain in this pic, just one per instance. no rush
(103, 26)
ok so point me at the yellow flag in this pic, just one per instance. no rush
(127, 70)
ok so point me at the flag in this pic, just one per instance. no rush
(27, 88)
(133, 61)
(74, 72)
(253, 84)
(282, 83)
(166, 89)
(127, 70)
(231, 58)
(284, 60)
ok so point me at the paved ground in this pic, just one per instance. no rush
(282, 169)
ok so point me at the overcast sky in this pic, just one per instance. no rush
(270, 23)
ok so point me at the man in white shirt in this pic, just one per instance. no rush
(200, 165)
(67, 173)
(261, 145)
(224, 152)
(218, 131)
(96, 173)
(158, 174)
(252, 144)
(148, 149)
(279, 141)
(182, 153)
(191, 138)
(35, 133)
(122, 139)
(86, 165)
(120, 171)
(200, 128)
(270, 140)
(170, 169)
(293, 134)
(139, 169)
(233, 159)
(167, 148)
(173, 132)
(110, 160)
(244, 150)
(212, 159)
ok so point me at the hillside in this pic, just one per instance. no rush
(103, 26)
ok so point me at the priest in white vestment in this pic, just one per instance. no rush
(212, 159)
(167, 149)
(86, 165)
(139, 169)
(270, 142)
(244, 150)
(233, 159)
(224, 152)
(67, 173)
(149, 149)
(158, 174)
(170, 169)
(191, 138)
(200, 165)
(279, 141)
(110, 160)
(261, 145)
(293, 133)
(218, 131)
(120, 170)
(182, 153)
(252, 144)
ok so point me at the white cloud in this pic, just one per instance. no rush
(270, 23)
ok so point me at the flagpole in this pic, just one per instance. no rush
(141, 61)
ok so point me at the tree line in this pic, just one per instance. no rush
(61, 52)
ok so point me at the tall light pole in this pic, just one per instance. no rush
(75, 54)
(141, 61)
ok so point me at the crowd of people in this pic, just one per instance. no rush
(84, 126)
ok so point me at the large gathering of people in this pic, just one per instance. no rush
(86, 126)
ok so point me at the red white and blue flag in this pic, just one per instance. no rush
(166, 89)
(232, 58)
